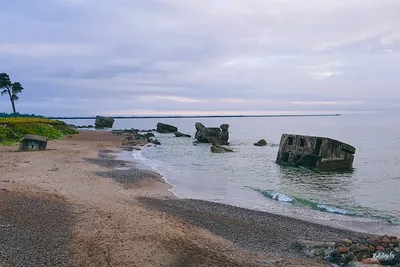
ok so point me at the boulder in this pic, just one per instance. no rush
(104, 122)
(262, 142)
(179, 134)
(148, 135)
(220, 149)
(212, 135)
(156, 142)
(166, 128)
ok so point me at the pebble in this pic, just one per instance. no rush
(342, 250)
(347, 241)
(370, 261)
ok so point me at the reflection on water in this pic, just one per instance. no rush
(306, 180)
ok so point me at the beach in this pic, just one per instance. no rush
(76, 204)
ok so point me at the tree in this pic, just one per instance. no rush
(10, 88)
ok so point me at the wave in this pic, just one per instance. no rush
(324, 207)
(305, 202)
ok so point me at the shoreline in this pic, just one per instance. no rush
(365, 225)
(121, 215)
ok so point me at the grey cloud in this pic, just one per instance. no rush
(125, 55)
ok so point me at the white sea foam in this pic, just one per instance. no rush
(282, 197)
(334, 210)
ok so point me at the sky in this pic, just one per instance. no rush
(201, 57)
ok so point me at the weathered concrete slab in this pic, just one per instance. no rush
(32, 142)
(319, 153)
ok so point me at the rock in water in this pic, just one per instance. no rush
(104, 122)
(166, 128)
(212, 134)
(220, 149)
(262, 142)
(179, 134)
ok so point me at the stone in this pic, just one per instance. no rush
(262, 142)
(386, 240)
(361, 248)
(380, 248)
(148, 135)
(371, 248)
(220, 149)
(213, 135)
(347, 241)
(224, 127)
(370, 261)
(104, 122)
(166, 128)
(179, 134)
(377, 240)
(156, 142)
(342, 250)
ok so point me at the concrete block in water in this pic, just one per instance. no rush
(319, 153)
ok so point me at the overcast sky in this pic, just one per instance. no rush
(148, 57)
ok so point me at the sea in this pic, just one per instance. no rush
(366, 198)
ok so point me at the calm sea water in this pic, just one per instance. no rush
(250, 178)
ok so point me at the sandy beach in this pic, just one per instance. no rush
(75, 204)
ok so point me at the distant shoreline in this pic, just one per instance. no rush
(193, 117)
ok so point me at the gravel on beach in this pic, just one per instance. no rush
(124, 172)
(34, 231)
(248, 229)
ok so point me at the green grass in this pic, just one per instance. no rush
(31, 120)
(18, 127)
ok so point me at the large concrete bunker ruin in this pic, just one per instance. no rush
(319, 153)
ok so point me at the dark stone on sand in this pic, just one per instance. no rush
(166, 128)
(262, 142)
(104, 122)
(179, 134)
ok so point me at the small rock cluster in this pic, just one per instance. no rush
(382, 250)
(135, 137)
(81, 127)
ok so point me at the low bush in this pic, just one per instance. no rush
(16, 128)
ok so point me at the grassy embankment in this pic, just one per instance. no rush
(16, 128)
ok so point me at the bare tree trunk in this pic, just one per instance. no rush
(13, 106)
(12, 103)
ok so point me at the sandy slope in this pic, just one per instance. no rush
(92, 216)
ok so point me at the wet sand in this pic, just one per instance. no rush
(75, 204)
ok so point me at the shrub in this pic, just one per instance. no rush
(18, 127)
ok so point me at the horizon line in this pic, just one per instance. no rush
(194, 116)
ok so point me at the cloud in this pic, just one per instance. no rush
(188, 56)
